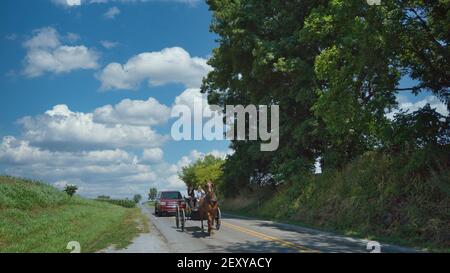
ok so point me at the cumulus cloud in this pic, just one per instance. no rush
(21, 152)
(170, 65)
(45, 53)
(60, 128)
(152, 155)
(406, 104)
(109, 151)
(75, 3)
(112, 172)
(190, 97)
(68, 3)
(111, 13)
(133, 112)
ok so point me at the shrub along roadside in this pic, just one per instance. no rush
(35, 217)
(398, 199)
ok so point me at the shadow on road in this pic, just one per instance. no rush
(320, 240)
(256, 247)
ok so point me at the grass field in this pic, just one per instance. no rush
(36, 217)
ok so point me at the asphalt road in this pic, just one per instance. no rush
(244, 235)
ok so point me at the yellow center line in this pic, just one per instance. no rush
(282, 242)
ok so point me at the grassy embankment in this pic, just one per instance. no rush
(401, 200)
(36, 217)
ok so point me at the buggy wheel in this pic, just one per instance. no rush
(177, 217)
(218, 219)
(182, 219)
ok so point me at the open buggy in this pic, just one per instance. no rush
(198, 213)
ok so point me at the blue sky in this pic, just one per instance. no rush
(112, 32)
(86, 90)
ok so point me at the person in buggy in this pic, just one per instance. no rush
(195, 195)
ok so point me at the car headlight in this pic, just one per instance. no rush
(163, 203)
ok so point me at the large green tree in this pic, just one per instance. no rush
(208, 168)
(334, 67)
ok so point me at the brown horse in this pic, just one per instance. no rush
(208, 207)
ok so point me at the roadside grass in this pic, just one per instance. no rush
(397, 200)
(35, 217)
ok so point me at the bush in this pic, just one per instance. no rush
(71, 189)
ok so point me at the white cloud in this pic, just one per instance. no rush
(21, 152)
(112, 152)
(170, 65)
(190, 97)
(60, 128)
(407, 105)
(45, 53)
(111, 13)
(108, 44)
(133, 112)
(112, 172)
(75, 3)
(152, 155)
(46, 37)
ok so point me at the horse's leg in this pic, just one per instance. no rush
(203, 230)
(210, 223)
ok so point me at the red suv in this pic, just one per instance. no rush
(167, 201)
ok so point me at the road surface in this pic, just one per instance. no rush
(243, 235)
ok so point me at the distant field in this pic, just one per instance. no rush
(36, 217)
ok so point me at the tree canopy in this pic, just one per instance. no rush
(208, 168)
(334, 68)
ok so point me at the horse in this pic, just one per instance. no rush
(208, 207)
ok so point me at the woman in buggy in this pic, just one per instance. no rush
(195, 195)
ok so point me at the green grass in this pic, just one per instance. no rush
(126, 203)
(392, 199)
(35, 217)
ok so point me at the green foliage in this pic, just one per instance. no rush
(70, 189)
(334, 68)
(416, 130)
(203, 170)
(152, 194)
(25, 194)
(126, 203)
(403, 199)
(137, 198)
(103, 197)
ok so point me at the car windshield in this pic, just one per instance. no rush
(171, 195)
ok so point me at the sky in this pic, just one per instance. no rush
(87, 88)
(86, 91)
